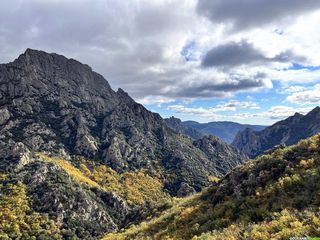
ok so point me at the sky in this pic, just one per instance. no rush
(249, 61)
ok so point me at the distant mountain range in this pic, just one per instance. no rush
(225, 130)
(285, 132)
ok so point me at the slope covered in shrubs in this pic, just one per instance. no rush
(136, 187)
(276, 196)
(18, 220)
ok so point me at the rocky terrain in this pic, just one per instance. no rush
(225, 156)
(283, 133)
(85, 159)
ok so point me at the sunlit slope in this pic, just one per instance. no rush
(276, 196)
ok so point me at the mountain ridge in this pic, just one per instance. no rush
(285, 132)
(225, 130)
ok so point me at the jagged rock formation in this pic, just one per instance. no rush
(224, 130)
(286, 132)
(177, 125)
(60, 107)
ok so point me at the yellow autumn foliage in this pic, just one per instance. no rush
(18, 220)
(137, 187)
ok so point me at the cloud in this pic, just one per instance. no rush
(234, 105)
(291, 89)
(212, 112)
(150, 100)
(274, 113)
(281, 112)
(156, 54)
(221, 85)
(311, 96)
(243, 53)
(135, 44)
(245, 14)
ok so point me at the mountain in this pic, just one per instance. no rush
(78, 159)
(224, 130)
(275, 196)
(177, 125)
(286, 132)
(226, 157)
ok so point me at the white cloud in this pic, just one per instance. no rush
(281, 112)
(291, 89)
(158, 100)
(204, 112)
(273, 114)
(212, 113)
(304, 97)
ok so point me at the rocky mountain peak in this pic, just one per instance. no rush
(57, 105)
(57, 71)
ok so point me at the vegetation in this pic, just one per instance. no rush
(277, 196)
(137, 187)
(18, 220)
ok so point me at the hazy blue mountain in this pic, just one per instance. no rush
(225, 130)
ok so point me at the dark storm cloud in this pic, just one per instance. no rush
(214, 89)
(243, 14)
(243, 53)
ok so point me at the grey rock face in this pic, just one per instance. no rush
(286, 132)
(4, 115)
(224, 156)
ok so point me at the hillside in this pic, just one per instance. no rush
(224, 130)
(275, 196)
(85, 160)
(285, 132)
(224, 156)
